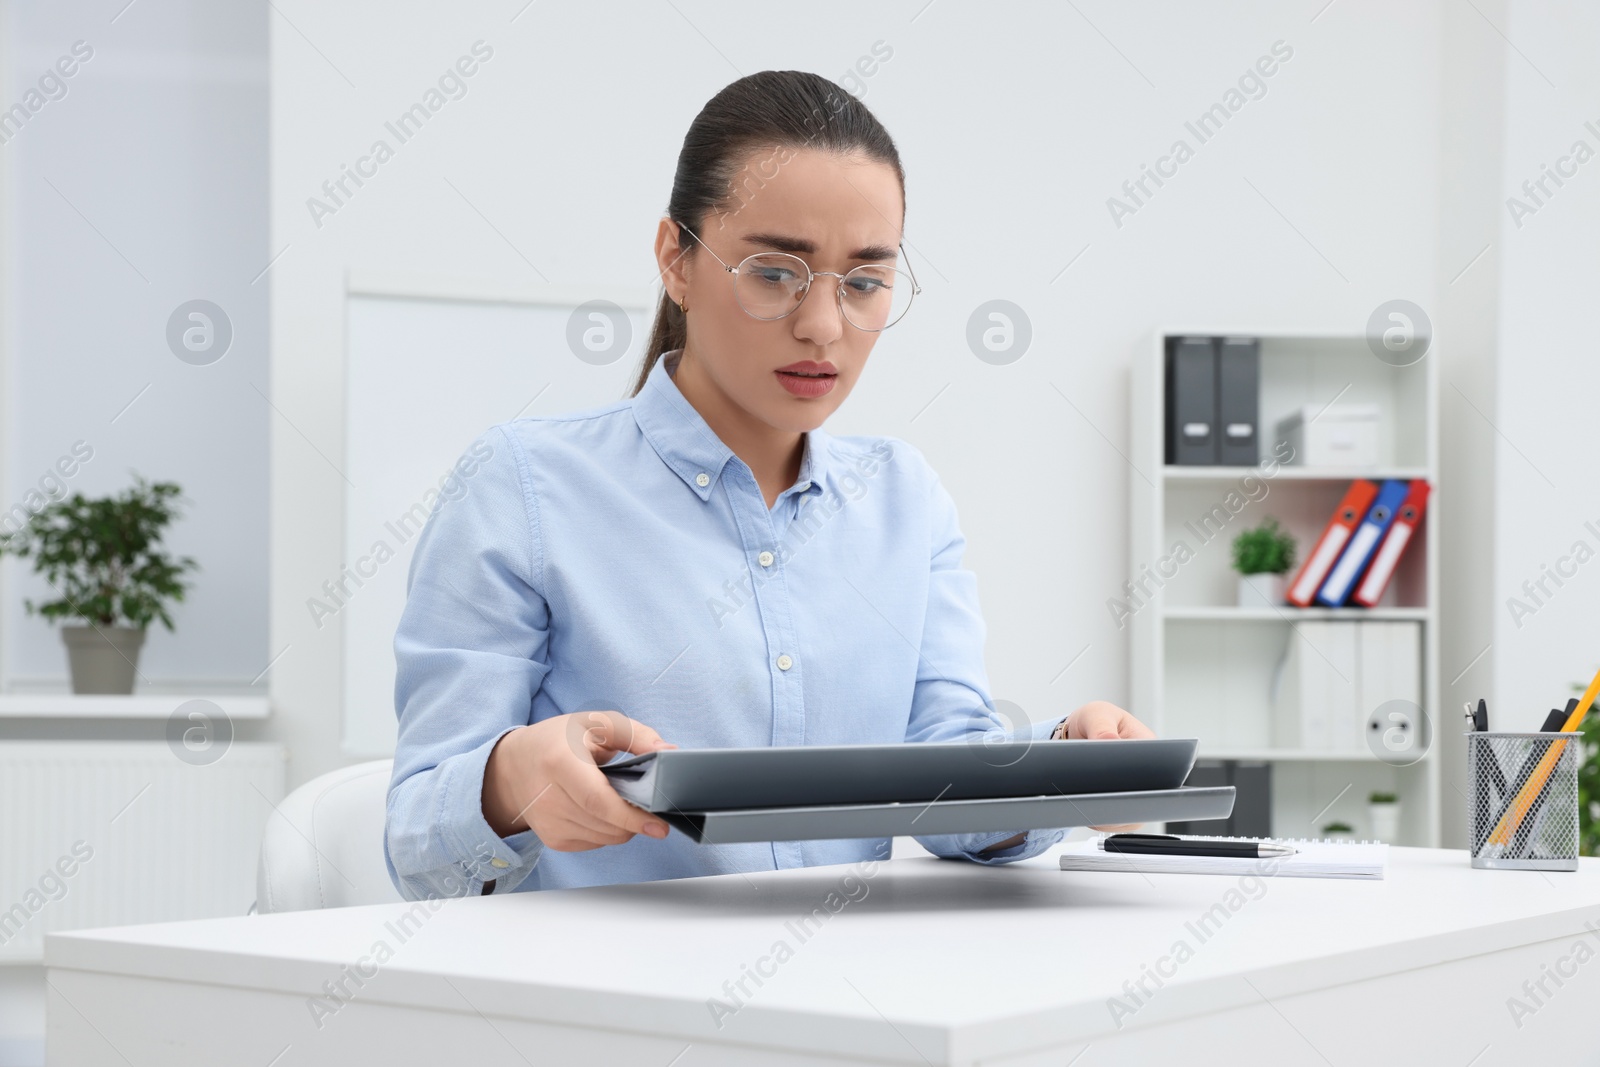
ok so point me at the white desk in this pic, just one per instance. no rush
(933, 961)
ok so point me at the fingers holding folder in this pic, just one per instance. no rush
(1103, 721)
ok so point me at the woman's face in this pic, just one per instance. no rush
(834, 212)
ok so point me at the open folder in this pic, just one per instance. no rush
(824, 792)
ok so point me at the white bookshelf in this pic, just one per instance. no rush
(1226, 614)
(1178, 475)
(1203, 667)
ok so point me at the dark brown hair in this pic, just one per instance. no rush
(775, 108)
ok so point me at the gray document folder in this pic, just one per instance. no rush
(1191, 403)
(819, 792)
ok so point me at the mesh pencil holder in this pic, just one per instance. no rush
(1523, 790)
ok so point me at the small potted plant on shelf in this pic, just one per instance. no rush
(1339, 831)
(1263, 557)
(1383, 810)
(104, 559)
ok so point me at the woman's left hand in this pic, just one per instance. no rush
(1103, 720)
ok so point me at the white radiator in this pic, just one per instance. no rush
(111, 833)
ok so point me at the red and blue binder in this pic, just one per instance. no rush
(1335, 536)
(1363, 543)
(1401, 531)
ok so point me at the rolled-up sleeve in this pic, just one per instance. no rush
(951, 700)
(470, 653)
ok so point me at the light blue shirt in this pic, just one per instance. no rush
(624, 558)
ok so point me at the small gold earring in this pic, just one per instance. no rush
(683, 304)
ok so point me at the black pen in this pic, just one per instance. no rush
(1168, 845)
(1490, 776)
(1557, 718)
(1510, 792)
(1526, 831)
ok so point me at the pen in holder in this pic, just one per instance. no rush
(1523, 800)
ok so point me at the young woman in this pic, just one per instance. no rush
(700, 564)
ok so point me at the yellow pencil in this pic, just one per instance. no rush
(1506, 828)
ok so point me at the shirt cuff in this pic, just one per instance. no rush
(476, 853)
(1041, 731)
(968, 846)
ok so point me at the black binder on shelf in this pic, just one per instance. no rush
(824, 792)
(1251, 814)
(1207, 774)
(1191, 408)
(1238, 401)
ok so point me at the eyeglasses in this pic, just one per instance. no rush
(771, 285)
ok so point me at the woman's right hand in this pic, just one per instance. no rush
(546, 777)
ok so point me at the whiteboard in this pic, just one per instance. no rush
(424, 377)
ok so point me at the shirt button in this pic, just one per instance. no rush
(702, 479)
(765, 558)
(784, 663)
(498, 862)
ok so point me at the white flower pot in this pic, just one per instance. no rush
(1261, 590)
(1385, 820)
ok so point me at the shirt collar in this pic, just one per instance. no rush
(687, 444)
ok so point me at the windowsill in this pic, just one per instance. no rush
(136, 706)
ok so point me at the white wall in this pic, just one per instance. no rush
(1547, 478)
(1313, 205)
(1465, 312)
(143, 187)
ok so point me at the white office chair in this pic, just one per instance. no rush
(323, 846)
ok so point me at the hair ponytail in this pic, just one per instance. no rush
(670, 331)
(777, 108)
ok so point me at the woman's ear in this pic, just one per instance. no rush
(671, 262)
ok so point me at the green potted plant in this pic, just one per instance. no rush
(104, 559)
(1339, 831)
(1263, 558)
(1383, 811)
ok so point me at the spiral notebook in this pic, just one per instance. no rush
(1320, 858)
